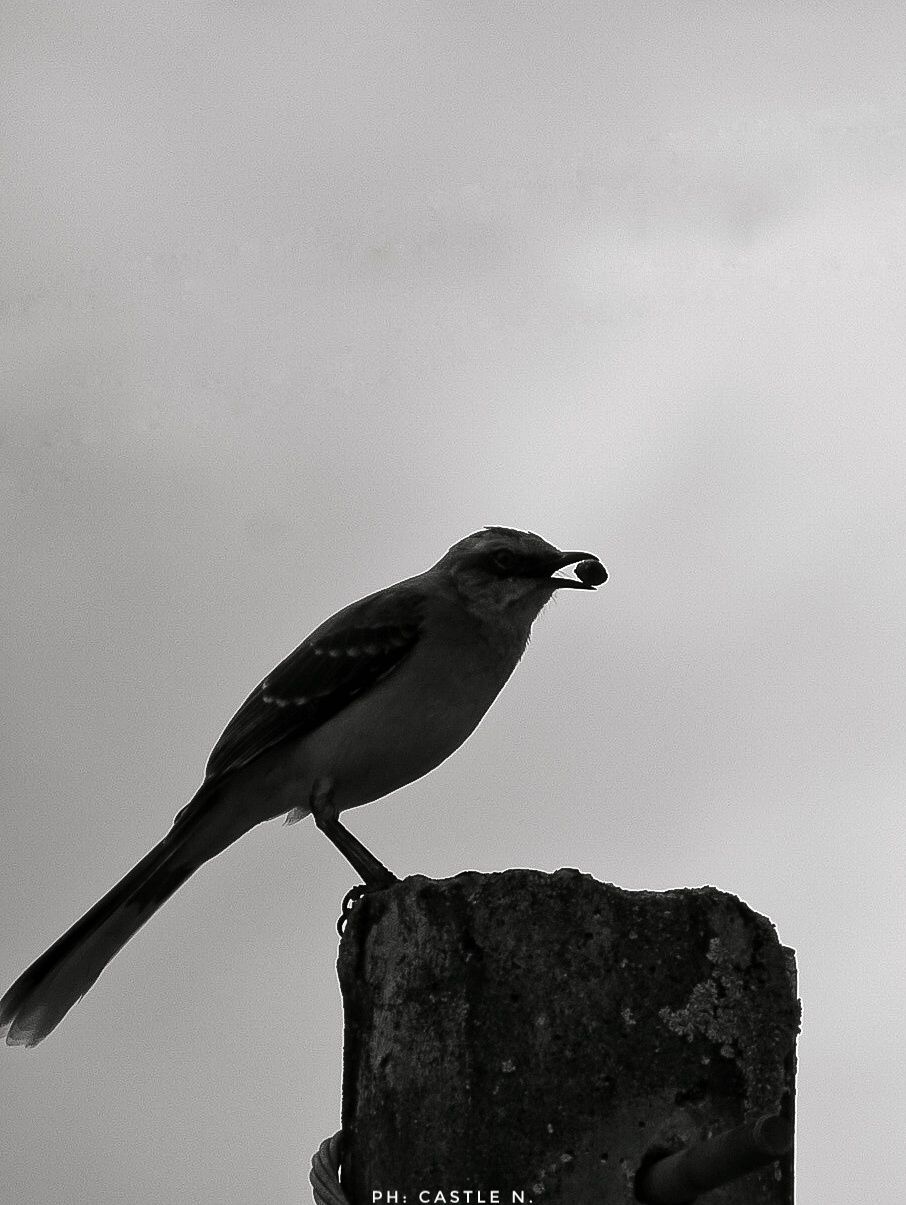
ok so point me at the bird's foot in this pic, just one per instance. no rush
(350, 899)
(354, 894)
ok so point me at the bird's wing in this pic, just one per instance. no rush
(342, 659)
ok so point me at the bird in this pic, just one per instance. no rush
(376, 697)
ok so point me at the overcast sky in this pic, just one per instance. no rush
(294, 295)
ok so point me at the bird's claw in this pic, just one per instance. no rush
(350, 899)
(354, 894)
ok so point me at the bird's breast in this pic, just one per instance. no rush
(407, 724)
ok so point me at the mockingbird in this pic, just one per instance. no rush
(374, 698)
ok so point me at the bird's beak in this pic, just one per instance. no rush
(573, 558)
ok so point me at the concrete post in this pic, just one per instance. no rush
(529, 1037)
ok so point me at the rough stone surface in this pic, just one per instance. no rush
(539, 1035)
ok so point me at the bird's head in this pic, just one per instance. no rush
(507, 572)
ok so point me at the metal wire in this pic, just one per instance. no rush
(324, 1176)
(679, 1178)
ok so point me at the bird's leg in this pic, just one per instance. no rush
(375, 875)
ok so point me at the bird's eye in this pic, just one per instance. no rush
(504, 560)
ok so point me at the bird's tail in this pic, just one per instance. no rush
(41, 997)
